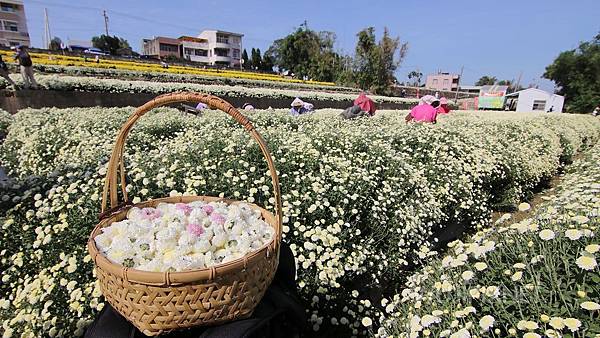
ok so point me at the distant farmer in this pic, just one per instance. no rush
(443, 107)
(596, 111)
(247, 106)
(365, 104)
(26, 67)
(97, 59)
(551, 109)
(4, 73)
(425, 111)
(300, 107)
(403, 93)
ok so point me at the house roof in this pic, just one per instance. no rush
(220, 31)
(529, 90)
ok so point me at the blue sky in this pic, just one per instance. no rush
(499, 38)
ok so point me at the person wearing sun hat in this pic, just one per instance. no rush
(425, 111)
(443, 107)
(300, 107)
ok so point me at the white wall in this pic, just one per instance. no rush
(527, 96)
(556, 101)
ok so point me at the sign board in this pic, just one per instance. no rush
(492, 97)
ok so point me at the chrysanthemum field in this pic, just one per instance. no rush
(366, 204)
(532, 278)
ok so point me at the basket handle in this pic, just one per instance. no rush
(116, 167)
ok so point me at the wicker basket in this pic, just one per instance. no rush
(157, 302)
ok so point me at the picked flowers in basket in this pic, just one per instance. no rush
(184, 236)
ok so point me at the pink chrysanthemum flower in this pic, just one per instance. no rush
(184, 207)
(150, 214)
(195, 229)
(217, 218)
(208, 209)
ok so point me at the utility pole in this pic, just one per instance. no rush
(462, 68)
(105, 22)
(518, 81)
(47, 35)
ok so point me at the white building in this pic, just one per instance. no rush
(195, 49)
(534, 100)
(13, 24)
(224, 48)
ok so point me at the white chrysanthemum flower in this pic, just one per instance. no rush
(572, 324)
(573, 234)
(486, 322)
(591, 306)
(592, 248)
(467, 275)
(524, 206)
(586, 262)
(480, 266)
(366, 321)
(517, 276)
(527, 325)
(546, 234)
(557, 323)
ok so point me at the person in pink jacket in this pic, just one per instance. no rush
(443, 108)
(425, 111)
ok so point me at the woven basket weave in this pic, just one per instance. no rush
(159, 302)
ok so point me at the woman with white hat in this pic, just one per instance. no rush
(300, 107)
(425, 111)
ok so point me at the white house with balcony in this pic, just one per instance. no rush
(195, 49)
(224, 48)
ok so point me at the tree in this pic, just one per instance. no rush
(55, 43)
(246, 62)
(576, 73)
(416, 76)
(267, 63)
(256, 59)
(486, 80)
(512, 87)
(375, 63)
(111, 44)
(307, 53)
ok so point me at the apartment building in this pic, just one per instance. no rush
(13, 24)
(442, 81)
(160, 46)
(224, 48)
(211, 47)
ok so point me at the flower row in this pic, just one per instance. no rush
(363, 200)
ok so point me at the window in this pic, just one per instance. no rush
(221, 52)
(14, 43)
(200, 52)
(10, 26)
(168, 48)
(236, 53)
(222, 38)
(4, 7)
(188, 51)
(446, 82)
(435, 82)
(539, 105)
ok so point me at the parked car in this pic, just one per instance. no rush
(95, 51)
